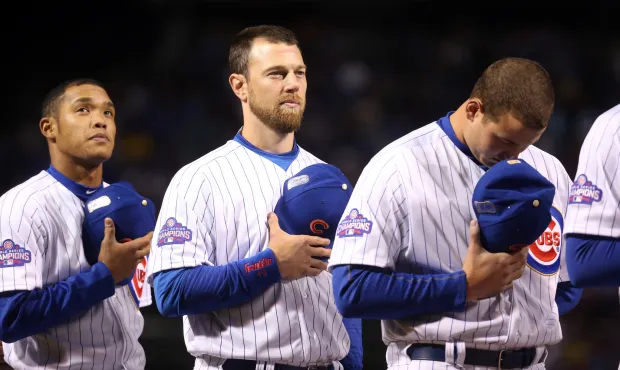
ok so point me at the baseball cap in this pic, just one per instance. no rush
(512, 202)
(313, 201)
(133, 216)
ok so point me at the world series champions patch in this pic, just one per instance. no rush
(13, 255)
(355, 224)
(583, 191)
(173, 232)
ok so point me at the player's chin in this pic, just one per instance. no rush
(98, 155)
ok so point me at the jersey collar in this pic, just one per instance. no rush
(283, 160)
(446, 126)
(80, 191)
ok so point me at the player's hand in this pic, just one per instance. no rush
(294, 252)
(122, 258)
(489, 274)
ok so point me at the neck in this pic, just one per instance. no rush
(86, 175)
(266, 138)
(458, 120)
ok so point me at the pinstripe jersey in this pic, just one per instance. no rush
(42, 219)
(594, 202)
(215, 212)
(415, 199)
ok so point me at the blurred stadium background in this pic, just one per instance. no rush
(376, 72)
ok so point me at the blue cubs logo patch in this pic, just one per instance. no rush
(583, 191)
(12, 255)
(173, 232)
(355, 224)
(544, 254)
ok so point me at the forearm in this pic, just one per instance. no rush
(200, 289)
(26, 313)
(374, 293)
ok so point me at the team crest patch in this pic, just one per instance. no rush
(583, 191)
(544, 254)
(355, 224)
(12, 255)
(173, 232)
(484, 207)
(137, 281)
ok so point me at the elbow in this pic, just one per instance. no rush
(165, 300)
(345, 293)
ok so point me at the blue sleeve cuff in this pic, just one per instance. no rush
(204, 288)
(567, 296)
(373, 293)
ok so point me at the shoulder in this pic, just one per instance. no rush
(30, 192)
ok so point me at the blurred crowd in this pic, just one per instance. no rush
(367, 85)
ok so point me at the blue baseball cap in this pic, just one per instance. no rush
(512, 202)
(313, 201)
(133, 216)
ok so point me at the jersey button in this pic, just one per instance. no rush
(303, 294)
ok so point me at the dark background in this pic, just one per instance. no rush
(377, 71)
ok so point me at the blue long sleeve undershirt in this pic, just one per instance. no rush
(371, 292)
(25, 313)
(593, 261)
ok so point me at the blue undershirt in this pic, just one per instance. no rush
(25, 313)
(593, 261)
(206, 288)
(371, 292)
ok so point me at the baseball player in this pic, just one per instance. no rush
(60, 308)
(593, 216)
(251, 295)
(408, 248)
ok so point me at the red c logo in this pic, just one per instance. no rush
(314, 226)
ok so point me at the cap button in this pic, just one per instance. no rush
(536, 203)
(344, 186)
(144, 202)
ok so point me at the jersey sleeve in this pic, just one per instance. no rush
(594, 199)
(182, 236)
(564, 184)
(23, 234)
(372, 229)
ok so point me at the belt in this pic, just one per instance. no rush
(235, 364)
(504, 359)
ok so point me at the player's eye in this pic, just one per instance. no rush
(109, 113)
(82, 110)
(301, 73)
(277, 74)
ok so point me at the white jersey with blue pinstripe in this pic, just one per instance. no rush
(224, 198)
(415, 196)
(40, 229)
(594, 203)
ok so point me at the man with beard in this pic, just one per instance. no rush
(251, 295)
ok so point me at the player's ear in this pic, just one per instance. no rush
(473, 107)
(48, 128)
(239, 85)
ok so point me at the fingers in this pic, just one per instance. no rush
(320, 252)
(313, 272)
(318, 264)
(317, 241)
(272, 222)
(141, 253)
(109, 231)
(140, 243)
(474, 235)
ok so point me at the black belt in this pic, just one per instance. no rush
(235, 364)
(504, 359)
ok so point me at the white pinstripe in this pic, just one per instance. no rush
(46, 218)
(599, 160)
(417, 191)
(224, 198)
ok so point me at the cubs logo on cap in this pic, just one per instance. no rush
(513, 204)
(313, 201)
(133, 216)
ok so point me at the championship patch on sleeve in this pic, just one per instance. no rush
(173, 232)
(12, 255)
(583, 191)
(355, 224)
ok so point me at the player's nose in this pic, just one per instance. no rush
(291, 83)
